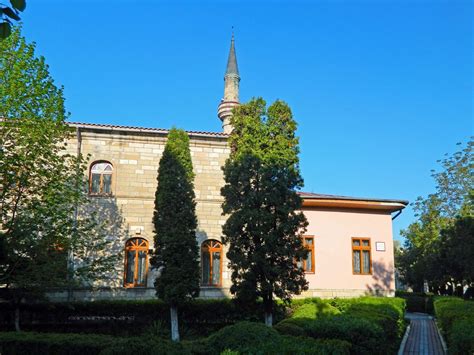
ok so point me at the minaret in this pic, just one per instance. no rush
(231, 90)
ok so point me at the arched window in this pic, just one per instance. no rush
(136, 262)
(100, 179)
(211, 262)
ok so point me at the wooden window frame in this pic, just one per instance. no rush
(361, 248)
(101, 193)
(210, 246)
(141, 245)
(311, 248)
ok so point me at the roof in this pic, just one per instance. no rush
(137, 129)
(323, 200)
(232, 67)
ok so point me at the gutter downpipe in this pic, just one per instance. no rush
(76, 213)
(398, 214)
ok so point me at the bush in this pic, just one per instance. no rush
(461, 339)
(131, 318)
(13, 343)
(289, 345)
(417, 301)
(145, 346)
(315, 310)
(257, 338)
(242, 335)
(388, 313)
(395, 303)
(364, 336)
(456, 318)
(287, 327)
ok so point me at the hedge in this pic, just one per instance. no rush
(313, 308)
(456, 319)
(129, 318)
(417, 301)
(370, 324)
(18, 343)
(257, 338)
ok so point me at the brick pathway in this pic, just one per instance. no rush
(423, 337)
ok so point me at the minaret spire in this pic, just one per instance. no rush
(231, 89)
(232, 67)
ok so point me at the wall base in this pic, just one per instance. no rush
(105, 294)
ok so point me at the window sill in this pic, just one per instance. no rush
(101, 195)
(211, 286)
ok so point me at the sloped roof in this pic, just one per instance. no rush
(316, 196)
(143, 129)
(346, 202)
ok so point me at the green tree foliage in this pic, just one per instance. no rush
(264, 228)
(437, 244)
(42, 186)
(176, 250)
(9, 14)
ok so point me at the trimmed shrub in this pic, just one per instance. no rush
(257, 338)
(385, 316)
(145, 346)
(461, 339)
(417, 301)
(397, 304)
(388, 313)
(315, 310)
(13, 343)
(365, 337)
(456, 319)
(131, 318)
(241, 336)
(287, 327)
(289, 345)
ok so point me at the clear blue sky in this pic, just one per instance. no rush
(381, 89)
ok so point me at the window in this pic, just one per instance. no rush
(100, 179)
(136, 262)
(211, 262)
(308, 262)
(361, 259)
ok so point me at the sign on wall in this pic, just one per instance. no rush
(380, 246)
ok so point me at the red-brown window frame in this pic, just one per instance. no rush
(141, 245)
(310, 248)
(100, 193)
(210, 246)
(361, 248)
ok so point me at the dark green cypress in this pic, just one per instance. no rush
(176, 250)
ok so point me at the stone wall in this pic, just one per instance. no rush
(135, 157)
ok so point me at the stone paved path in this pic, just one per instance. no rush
(423, 337)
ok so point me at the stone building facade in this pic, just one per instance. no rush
(123, 165)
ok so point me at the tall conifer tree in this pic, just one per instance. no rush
(176, 250)
(264, 229)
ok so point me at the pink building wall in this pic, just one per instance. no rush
(333, 230)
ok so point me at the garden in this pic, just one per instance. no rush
(366, 325)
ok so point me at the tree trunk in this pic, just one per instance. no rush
(268, 319)
(174, 323)
(17, 318)
(268, 307)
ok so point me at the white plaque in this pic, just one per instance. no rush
(380, 246)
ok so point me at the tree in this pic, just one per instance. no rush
(264, 228)
(430, 241)
(176, 250)
(7, 14)
(42, 187)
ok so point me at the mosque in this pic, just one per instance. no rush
(349, 239)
